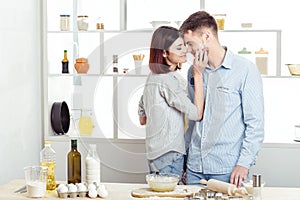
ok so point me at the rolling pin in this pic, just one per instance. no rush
(220, 186)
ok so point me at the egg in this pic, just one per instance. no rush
(91, 186)
(82, 188)
(92, 193)
(102, 192)
(102, 187)
(72, 188)
(62, 189)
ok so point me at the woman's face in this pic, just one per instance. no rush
(177, 52)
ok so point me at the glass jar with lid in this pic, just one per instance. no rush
(82, 22)
(64, 22)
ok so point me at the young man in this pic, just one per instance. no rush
(225, 143)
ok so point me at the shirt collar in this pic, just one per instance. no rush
(227, 59)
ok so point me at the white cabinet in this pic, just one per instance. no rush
(113, 97)
(253, 40)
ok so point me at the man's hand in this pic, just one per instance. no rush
(238, 175)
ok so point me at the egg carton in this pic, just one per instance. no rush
(65, 195)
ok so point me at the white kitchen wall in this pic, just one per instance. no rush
(20, 87)
(21, 124)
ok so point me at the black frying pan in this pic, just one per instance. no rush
(60, 117)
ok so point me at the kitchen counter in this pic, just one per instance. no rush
(122, 191)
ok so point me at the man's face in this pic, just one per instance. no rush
(193, 41)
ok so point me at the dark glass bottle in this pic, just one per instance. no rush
(65, 63)
(74, 164)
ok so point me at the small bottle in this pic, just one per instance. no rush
(74, 164)
(65, 63)
(92, 165)
(115, 63)
(48, 159)
(257, 187)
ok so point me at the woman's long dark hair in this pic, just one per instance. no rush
(162, 38)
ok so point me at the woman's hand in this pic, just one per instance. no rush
(143, 120)
(200, 61)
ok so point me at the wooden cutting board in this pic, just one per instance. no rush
(180, 191)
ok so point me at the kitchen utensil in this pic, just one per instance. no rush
(294, 69)
(162, 182)
(181, 191)
(36, 178)
(21, 190)
(220, 186)
(60, 117)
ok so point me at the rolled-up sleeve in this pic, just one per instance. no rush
(141, 108)
(253, 109)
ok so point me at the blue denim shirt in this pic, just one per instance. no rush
(232, 129)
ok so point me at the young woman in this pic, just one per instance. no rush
(164, 102)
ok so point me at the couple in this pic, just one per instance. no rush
(224, 106)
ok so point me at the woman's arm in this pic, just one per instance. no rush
(141, 112)
(199, 65)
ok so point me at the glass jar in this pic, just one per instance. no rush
(64, 22)
(82, 22)
(220, 19)
(100, 24)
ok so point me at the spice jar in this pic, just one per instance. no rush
(82, 22)
(64, 22)
(100, 24)
(261, 61)
(220, 19)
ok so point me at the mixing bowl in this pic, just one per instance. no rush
(162, 182)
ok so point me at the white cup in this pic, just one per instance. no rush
(138, 66)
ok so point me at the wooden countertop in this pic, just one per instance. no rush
(122, 191)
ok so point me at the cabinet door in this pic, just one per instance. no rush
(130, 90)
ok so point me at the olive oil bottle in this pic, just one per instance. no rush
(74, 164)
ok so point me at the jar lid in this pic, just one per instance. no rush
(244, 51)
(65, 15)
(81, 60)
(82, 16)
(221, 15)
(261, 51)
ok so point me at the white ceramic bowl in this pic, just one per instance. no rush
(249, 186)
(162, 182)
